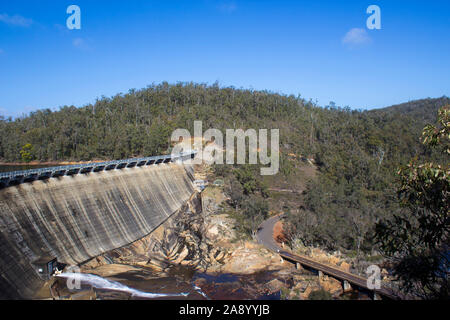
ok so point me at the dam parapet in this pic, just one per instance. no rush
(77, 217)
(18, 177)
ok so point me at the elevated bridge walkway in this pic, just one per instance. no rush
(17, 177)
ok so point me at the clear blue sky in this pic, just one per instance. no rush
(292, 47)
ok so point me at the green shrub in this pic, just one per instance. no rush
(319, 295)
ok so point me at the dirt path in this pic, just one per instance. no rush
(283, 190)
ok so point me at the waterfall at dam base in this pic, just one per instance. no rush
(75, 218)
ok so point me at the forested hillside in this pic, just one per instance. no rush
(357, 152)
(140, 122)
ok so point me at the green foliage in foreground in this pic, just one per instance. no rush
(417, 239)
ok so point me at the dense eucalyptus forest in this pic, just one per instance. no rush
(140, 122)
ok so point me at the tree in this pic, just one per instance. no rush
(236, 193)
(26, 152)
(247, 179)
(256, 211)
(417, 239)
(300, 228)
(359, 222)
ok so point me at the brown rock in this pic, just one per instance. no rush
(345, 266)
(331, 285)
(275, 285)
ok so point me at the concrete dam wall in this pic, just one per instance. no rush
(75, 218)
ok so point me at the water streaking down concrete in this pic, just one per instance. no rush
(75, 218)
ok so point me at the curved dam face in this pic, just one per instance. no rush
(75, 218)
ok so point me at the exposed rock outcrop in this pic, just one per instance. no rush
(201, 239)
(186, 238)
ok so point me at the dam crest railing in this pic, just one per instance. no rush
(17, 177)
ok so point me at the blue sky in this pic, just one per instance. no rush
(321, 50)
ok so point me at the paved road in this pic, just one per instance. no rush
(265, 237)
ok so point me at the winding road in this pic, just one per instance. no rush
(264, 235)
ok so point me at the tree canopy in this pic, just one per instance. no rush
(417, 238)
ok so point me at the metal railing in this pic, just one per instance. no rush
(17, 177)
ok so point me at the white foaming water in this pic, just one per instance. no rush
(102, 283)
(199, 290)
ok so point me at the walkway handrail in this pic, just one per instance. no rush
(20, 176)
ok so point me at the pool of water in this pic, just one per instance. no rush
(180, 283)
